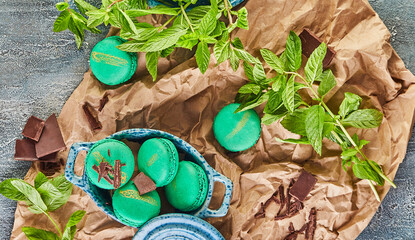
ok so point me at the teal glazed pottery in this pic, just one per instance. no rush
(159, 160)
(236, 131)
(133, 208)
(110, 65)
(101, 197)
(109, 150)
(188, 190)
(177, 226)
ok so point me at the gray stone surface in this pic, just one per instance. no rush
(39, 70)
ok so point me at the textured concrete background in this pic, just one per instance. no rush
(39, 70)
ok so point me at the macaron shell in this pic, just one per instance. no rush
(188, 190)
(159, 160)
(110, 65)
(109, 150)
(132, 208)
(236, 131)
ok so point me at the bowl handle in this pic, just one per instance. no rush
(223, 209)
(70, 163)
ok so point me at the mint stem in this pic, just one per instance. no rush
(185, 15)
(54, 223)
(229, 12)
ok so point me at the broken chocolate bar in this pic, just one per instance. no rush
(117, 174)
(102, 102)
(144, 184)
(103, 168)
(25, 151)
(92, 116)
(302, 187)
(309, 42)
(106, 177)
(51, 140)
(33, 128)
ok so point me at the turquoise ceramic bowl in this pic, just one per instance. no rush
(101, 196)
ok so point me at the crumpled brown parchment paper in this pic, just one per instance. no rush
(184, 102)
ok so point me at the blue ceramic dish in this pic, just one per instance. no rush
(101, 196)
(177, 226)
(171, 3)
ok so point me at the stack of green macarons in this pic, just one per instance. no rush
(185, 183)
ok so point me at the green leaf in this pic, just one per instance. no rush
(260, 99)
(77, 30)
(237, 43)
(250, 88)
(274, 102)
(219, 29)
(363, 118)
(327, 128)
(39, 234)
(234, 60)
(279, 83)
(126, 22)
(242, 21)
(244, 55)
(293, 51)
(84, 7)
(188, 41)
(272, 60)
(348, 153)
(144, 32)
(288, 94)
(159, 9)
(152, 59)
(351, 102)
(70, 228)
(9, 191)
(96, 17)
(258, 73)
(131, 46)
(268, 119)
(249, 70)
(314, 124)
(62, 22)
(314, 66)
(222, 51)
(302, 140)
(295, 122)
(363, 170)
(33, 198)
(341, 135)
(62, 6)
(55, 192)
(166, 52)
(40, 179)
(69, 233)
(208, 23)
(362, 143)
(202, 56)
(327, 82)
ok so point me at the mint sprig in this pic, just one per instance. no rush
(46, 195)
(313, 121)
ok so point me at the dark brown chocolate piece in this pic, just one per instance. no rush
(311, 225)
(50, 168)
(102, 102)
(309, 42)
(103, 168)
(144, 184)
(33, 128)
(117, 174)
(92, 116)
(303, 186)
(51, 140)
(25, 151)
(106, 177)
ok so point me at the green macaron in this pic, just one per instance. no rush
(132, 208)
(236, 131)
(159, 160)
(109, 150)
(188, 190)
(111, 65)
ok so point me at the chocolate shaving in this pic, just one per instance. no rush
(311, 225)
(103, 169)
(144, 184)
(51, 140)
(303, 186)
(109, 153)
(106, 177)
(261, 212)
(309, 42)
(102, 102)
(117, 174)
(92, 116)
(33, 128)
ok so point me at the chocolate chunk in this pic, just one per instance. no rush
(51, 140)
(117, 174)
(25, 151)
(106, 177)
(311, 225)
(50, 168)
(102, 102)
(303, 186)
(103, 168)
(144, 184)
(92, 116)
(309, 42)
(33, 128)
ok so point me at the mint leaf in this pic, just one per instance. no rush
(314, 124)
(279, 82)
(250, 88)
(249, 70)
(131, 46)
(268, 119)
(70, 229)
(363, 118)
(39, 234)
(208, 23)
(258, 73)
(77, 30)
(222, 50)
(55, 192)
(274, 102)
(234, 60)
(202, 56)
(9, 191)
(152, 59)
(293, 52)
(62, 6)
(244, 55)
(295, 122)
(260, 99)
(84, 7)
(314, 66)
(351, 102)
(126, 22)
(288, 94)
(61, 23)
(272, 60)
(159, 9)
(327, 83)
(302, 140)
(33, 198)
(189, 41)
(40, 179)
(237, 43)
(363, 170)
(242, 21)
(96, 17)
(166, 52)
